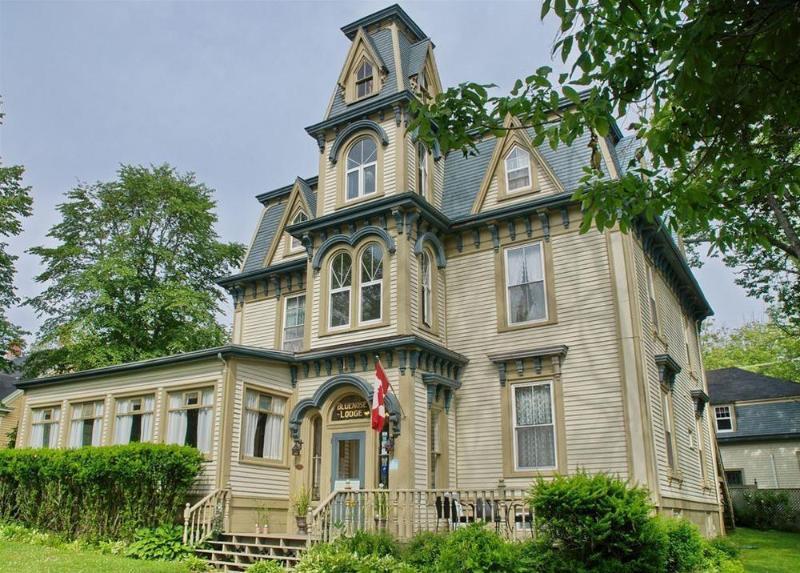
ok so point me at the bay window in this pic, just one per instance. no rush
(134, 420)
(525, 286)
(86, 426)
(534, 434)
(263, 426)
(190, 421)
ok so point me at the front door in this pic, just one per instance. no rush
(347, 457)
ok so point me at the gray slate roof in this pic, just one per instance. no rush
(8, 379)
(310, 196)
(765, 420)
(626, 150)
(265, 235)
(728, 385)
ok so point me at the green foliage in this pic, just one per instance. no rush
(335, 558)
(265, 567)
(685, 546)
(366, 543)
(712, 89)
(301, 501)
(129, 277)
(196, 564)
(476, 549)
(423, 550)
(598, 522)
(11, 436)
(765, 509)
(163, 543)
(763, 347)
(97, 493)
(16, 203)
(724, 546)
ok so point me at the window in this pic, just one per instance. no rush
(422, 170)
(45, 426)
(525, 284)
(190, 419)
(701, 447)
(724, 417)
(734, 477)
(534, 427)
(422, 82)
(341, 282)
(371, 283)
(296, 244)
(294, 318)
(426, 284)
(518, 169)
(364, 79)
(651, 293)
(86, 426)
(263, 426)
(686, 338)
(434, 433)
(669, 430)
(362, 163)
(316, 457)
(134, 420)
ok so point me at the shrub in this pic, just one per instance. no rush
(196, 565)
(163, 543)
(97, 493)
(475, 549)
(335, 558)
(364, 543)
(598, 523)
(265, 567)
(423, 550)
(719, 557)
(724, 546)
(764, 509)
(684, 549)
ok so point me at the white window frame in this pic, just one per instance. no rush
(361, 193)
(332, 291)
(422, 170)
(426, 283)
(185, 406)
(268, 412)
(651, 294)
(55, 419)
(546, 316)
(367, 79)
(83, 417)
(514, 425)
(142, 411)
(373, 282)
(668, 422)
(285, 317)
(527, 168)
(296, 244)
(729, 417)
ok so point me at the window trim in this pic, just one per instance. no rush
(341, 171)
(81, 404)
(731, 417)
(652, 298)
(360, 195)
(427, 302)
(295, 245)
(671, 440)
(116, 398)
(379, 282)
(330, 291)
(520, 190)
(188, 389)
(424, 183)
(31, 423)
(284, 314)
(506, 286)
(741, 472)
(515, 426)
(283, 462)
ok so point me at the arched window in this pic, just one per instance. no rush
(341, 280)
(426, 288)
(371, 283)
(362, 164)
(364, 79)
(518, 169)
(422, 170)
(299, 218)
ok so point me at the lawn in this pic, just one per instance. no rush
(23, 557)
(768, 551)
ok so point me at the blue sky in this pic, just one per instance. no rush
(223, 89)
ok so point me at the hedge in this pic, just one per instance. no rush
(97, 493)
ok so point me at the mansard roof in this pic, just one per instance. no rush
(393, 12)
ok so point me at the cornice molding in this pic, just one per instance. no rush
(360, 125)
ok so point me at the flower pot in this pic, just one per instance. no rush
(302, 524)
(258, 530)
(380, 522)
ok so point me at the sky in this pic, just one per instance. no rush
(224, 90)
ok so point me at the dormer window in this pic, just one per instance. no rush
(296, 244)
(422, 82)
(518, 170)
(364, 79)
(362, 162)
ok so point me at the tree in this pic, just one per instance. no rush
(16, 203)
(712, 88)
(131, 275)
(762, 347)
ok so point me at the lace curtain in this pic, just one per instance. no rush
(535, 432)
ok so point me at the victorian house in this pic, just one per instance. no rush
(516, 345)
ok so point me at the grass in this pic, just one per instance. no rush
(24, 557)
(768, 551)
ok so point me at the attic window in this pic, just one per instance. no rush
(364, 79)
(422, 82)
(518, 169)
(299, 218)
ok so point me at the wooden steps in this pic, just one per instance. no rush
(238, 551)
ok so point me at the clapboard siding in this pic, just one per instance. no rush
(593, 410)
(259, 321)
(773, 464)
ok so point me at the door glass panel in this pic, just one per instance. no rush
(348, 458)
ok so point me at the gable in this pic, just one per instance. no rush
(279, 249)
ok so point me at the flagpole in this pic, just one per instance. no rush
(378, 360)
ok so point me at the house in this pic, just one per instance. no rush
(9, 399)
(516, 346)
(757, 421)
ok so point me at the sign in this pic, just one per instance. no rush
(352, 407)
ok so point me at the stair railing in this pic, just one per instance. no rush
(205, 517)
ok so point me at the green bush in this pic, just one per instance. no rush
(423, 550)
(476, 549)
(720, 557)
(97, 493)
(164, 543)
(764, 509)
(725, 546)
(684, 549)
(335, 558)
(598, 523)
(365, 543)
(265, 567)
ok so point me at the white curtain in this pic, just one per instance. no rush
(148, 403)
(37, 430)
(205, 421)
(525, 284)
(273, 431)
(535, 430)
(273, 426)
(250, 423)
(123, 424)
(176, 421)
(76, 428)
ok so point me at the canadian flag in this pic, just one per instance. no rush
(379, 392)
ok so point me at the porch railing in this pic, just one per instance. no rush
(405, 512)
(204, 517)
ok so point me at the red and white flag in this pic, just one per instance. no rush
(379, 392)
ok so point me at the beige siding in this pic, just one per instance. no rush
(771, 464)
(421, 439)
(259, 322)
(9, 420)
(282, 253)
(547, 186)
(595, 437)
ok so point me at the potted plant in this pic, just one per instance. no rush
(381, 507)
(262, 519)
(301, 503)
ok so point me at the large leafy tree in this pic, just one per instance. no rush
(711, 89)
(15, 204)
(762, 347)
(131, 274)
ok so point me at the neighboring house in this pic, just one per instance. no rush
(757, 421)
(517, 347)
(9, 401)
